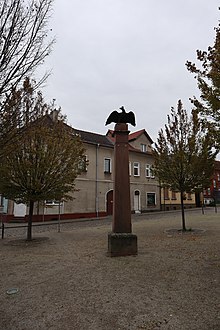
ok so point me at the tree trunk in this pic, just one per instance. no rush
(183, 213)
(29, 229)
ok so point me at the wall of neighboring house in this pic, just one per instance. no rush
(142, 180)
(7, 207)
(170, 200)
(93, 184)
(141, 141)
(211, 194)
(144, 184)
(91, 187)
(3, 208)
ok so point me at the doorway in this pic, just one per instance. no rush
(109, 202)
(137, 203)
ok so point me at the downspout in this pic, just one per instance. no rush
(96, 183)
(160, 196)
(164, 201)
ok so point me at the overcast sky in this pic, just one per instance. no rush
(110, 53)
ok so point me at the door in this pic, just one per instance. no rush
(109, 202)
(137, 207)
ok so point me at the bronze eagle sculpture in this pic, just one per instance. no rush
(121, 117)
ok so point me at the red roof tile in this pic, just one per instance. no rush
(131, 137)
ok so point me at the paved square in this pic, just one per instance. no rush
(65, 280)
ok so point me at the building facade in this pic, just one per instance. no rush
(93, 196)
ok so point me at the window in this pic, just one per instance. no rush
(136, 169)
(189, 196)
(107, 165)
(173, 195)
(152, 171)
(214, 183)
(149, 171)
(1, 204)
(1, 200)
(52, 202)
(83, 164)
(209, 191)
(218, 177)
(166, 193)
(129, 168)
(151, 199)
(143, 147)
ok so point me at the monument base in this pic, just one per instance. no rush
(122, 244)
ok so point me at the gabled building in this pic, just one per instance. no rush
(94, 186)
(211, 194)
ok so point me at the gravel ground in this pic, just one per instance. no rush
(66, 281)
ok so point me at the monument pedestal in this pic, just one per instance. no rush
(122, 244)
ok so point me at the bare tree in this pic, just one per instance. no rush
(23, 39)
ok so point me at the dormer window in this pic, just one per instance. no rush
(143, 147)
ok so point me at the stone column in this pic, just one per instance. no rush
(121, 242)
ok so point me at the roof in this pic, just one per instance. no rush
(99, 139)
(135, 135)
(132, 136)
(94, 138)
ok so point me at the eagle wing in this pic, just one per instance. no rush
(131, 118)
(112, 118)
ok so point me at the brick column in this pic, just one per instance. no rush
(121, 242)
(121, 193)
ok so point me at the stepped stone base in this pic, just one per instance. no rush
(122, 244)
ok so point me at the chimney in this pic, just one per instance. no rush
(54, 115)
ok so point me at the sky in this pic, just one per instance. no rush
(110, 53)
